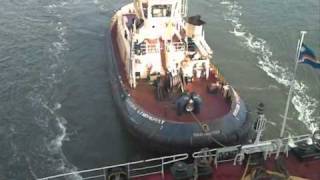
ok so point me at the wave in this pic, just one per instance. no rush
(225, 2)
(56, 144)
(57, 49)
(108, 5)
(54, 6)
(272, 123)
(5, 59)
(302, 102)
(60, 46)
(102, 6)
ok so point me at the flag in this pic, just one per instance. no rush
(307, 56)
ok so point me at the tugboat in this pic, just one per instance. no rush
(164, 83)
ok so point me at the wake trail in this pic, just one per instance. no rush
(303, 103)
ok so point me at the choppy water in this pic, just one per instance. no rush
(56, 112)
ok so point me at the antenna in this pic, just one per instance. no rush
(292, 83)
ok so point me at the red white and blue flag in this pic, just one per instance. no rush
(307, 56)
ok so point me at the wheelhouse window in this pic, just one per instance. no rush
(161, 10)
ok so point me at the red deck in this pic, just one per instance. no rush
(305, 169)
(214, 106)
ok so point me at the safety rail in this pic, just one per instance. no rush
(145, 48)
(178, 46)
(218, 155)
(237, 153)
(132, 169)
(148, 48)
(152, 48)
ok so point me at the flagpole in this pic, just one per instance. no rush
(292, 83)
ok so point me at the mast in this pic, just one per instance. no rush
(302, 33)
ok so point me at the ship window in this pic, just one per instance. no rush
(161, 11)
(138, 76)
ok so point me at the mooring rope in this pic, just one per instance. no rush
(206, 130)
(246, 169)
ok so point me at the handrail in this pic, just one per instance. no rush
(164, 161)
(269, 147)
(155, 48)
(178, 46)
(230, 153)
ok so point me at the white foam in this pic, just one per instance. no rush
(42, 99)
(57, 142)
(57, 106)
(271, 87)
(57, 5)
(272, 123)
(62, 44)
(238, 33)
(303, 103)
(102, 5)
(5, 59)
(225, 2)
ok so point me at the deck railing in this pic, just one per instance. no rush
(237, 153)
(152, 166)
(131, 169)
(178, 46)
(146, 48)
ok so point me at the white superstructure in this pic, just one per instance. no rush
(156, 38)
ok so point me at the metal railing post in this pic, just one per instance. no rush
(162, 169)
(104, 174)
(128, 171)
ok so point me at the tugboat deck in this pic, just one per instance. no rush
(213, 107)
